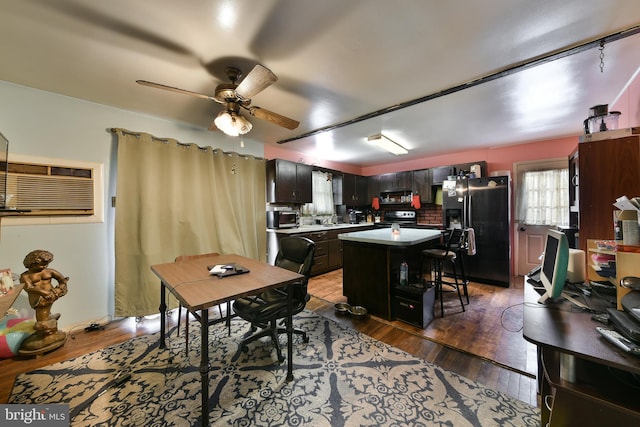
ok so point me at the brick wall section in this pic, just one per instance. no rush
(427, 214)
(430, 214)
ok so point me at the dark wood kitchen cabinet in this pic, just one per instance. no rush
(422, 184)
(288, 182)
(608, 169)
(335, 251)
(574, 201)
(465, 168)
(395, 181)
(354, 190)
(440, 174)
(373, 186)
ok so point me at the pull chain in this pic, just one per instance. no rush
(602, 56)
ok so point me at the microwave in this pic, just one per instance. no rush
(283, 219)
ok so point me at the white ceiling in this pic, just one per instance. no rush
(336, 60)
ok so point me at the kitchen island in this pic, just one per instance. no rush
(371, 264)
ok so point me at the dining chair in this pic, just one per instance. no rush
(266, 310)
(182, 258)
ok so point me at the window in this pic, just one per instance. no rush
(322, 195)
(54, 191)
(544, 197)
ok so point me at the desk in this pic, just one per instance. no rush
(190, 282)
(578, 367)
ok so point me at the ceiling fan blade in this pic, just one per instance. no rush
(257, 80)
(276, 118)
(175, 89)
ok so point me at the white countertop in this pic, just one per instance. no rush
(384, 236)
(315, 228)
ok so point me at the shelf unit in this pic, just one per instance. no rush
(593, 397)
(627, 264)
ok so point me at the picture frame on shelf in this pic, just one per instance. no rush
(6, 281)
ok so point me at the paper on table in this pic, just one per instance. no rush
(221, 268)
(624, 204)
(224, 270)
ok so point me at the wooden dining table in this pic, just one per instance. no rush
(198, 290)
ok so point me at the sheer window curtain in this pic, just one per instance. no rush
(322, 184)
(544, 197)
(180, 199)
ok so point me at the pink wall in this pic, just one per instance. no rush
(271, 152)
(498, 159)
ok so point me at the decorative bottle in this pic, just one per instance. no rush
(404, 273)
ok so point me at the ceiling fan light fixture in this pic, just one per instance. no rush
(385, 143)
(232, 124)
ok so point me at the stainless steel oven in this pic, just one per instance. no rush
(404, 218)
(283, 219)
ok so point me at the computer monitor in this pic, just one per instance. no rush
(555, 263)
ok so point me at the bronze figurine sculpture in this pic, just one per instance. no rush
(42, 294)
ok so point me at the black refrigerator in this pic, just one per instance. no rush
(483, 205)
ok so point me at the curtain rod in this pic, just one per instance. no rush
(187, 145)
(512, 69)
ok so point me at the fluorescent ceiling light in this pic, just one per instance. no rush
(383, 142)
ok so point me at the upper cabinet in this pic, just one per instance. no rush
(465, 168)
(608, 169)
(422, 182)
(395, 181)
(574, 204)
(354, 190)
(373, 186)
(288, 182)
(440, 174)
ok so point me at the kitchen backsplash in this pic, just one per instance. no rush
(430, 214)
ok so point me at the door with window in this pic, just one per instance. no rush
(542, 202)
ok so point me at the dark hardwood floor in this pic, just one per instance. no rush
(436, 343)
(484, 343)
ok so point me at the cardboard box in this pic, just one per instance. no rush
(625, 215)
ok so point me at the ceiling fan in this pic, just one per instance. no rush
(236, 96)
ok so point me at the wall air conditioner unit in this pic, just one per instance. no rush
(50, 190)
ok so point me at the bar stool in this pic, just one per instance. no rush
(437, 257)
(460, 248)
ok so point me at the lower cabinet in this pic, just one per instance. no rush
(335, 251)
(321, 258)
(328, 255)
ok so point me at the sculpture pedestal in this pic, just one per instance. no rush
(36, 345)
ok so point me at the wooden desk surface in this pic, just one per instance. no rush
(558, 326)
(192, 284)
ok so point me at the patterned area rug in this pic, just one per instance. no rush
(342, 377)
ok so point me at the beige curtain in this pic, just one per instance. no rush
(180, 199)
